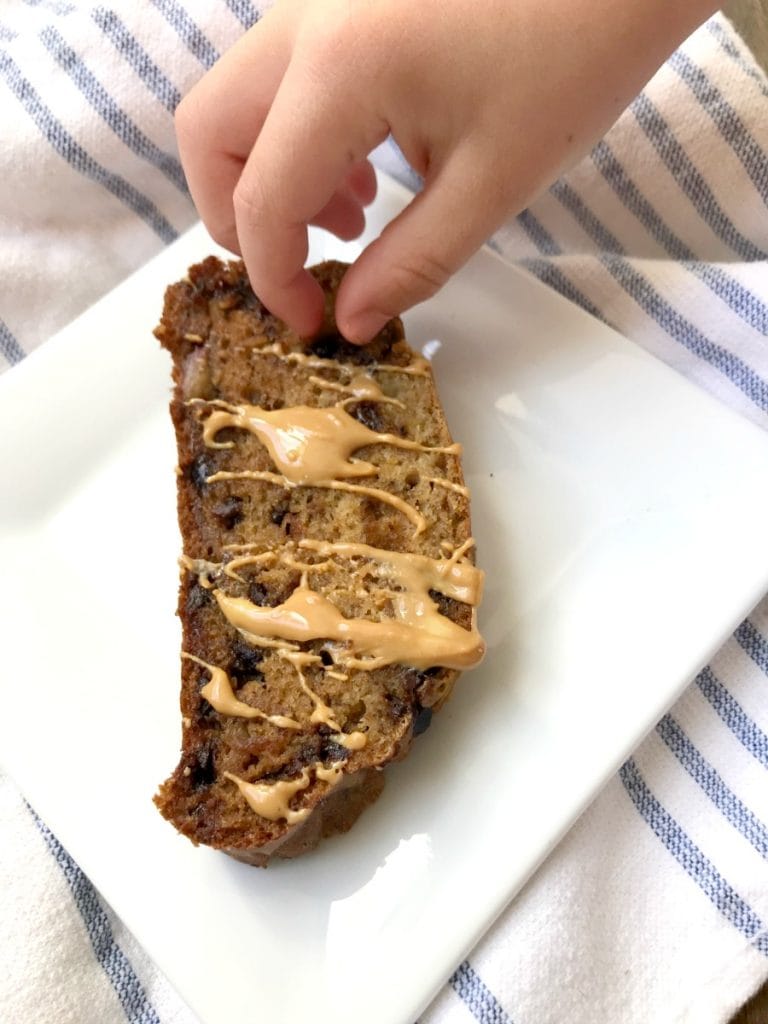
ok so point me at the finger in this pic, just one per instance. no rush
(420, 249)
(312, 139)
(343, 216)
(218, 121)
(361, 182)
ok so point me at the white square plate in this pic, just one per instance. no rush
(620, 514)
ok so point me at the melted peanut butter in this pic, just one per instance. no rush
(321, 712)
(418, 635)
(450, 576)
(449, 485)
(202, 568)
(332, 774)
(271, 800)
(309, 445)
(266, 557)
(418, 367)
(220, 695)
(361, 388)
(411, 513)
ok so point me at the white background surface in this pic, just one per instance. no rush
(619, 514)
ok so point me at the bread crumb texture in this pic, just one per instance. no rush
(328, 589)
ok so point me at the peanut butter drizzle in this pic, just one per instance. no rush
(271, 800)
(309, 445)
(418, 635)
(416, 573)
(322, 713)
(411, 513)
(220, 695)
(266, 557)
(202, 568)
(332, 774)
(418, 367)
(449, 485)
(361, 388)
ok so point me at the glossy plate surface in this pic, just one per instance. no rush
(620, 515)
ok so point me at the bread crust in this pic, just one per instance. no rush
(227, 348)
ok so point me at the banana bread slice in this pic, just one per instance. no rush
(328, 589)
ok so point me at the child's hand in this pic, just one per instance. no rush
(488, 99)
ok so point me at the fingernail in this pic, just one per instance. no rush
(361, 328)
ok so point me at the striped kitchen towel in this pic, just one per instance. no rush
(655, 906)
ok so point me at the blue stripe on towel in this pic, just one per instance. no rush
(703, 872)
(639, 288)
(597, 231)
(124, 128)
(244, 11)
(739, 299)
(690, 180)
(52, 5)
(754, 643)
(739, 373)
(10, 349)
(188, 31)
(549, 274)
(728, 47)
(547, 271)
(724, 799)
(108, 953)
(746, 731)
(538, 234)
(727, 121)
(77, 157)
(483, 1004)
(137, 58)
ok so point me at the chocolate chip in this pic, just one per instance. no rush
(198, 471)
(278, 513)
(244, 662)
(445, 605)
(326, 346)
(333, 346)
(308, 753)
(397, 707)
(197, 597)
(422, 721)
(367, 414)
(258, 594)
(202, 769)
(332, 751)
(229, 512)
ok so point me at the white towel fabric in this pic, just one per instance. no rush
(655, 907)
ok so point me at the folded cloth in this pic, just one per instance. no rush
(655, 906)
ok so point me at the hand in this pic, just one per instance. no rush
(489, 100)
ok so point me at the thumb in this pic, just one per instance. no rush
(420, 249)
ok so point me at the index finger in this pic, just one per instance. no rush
(316, 130)
(221, 116)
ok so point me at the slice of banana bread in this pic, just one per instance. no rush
(328, 589)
